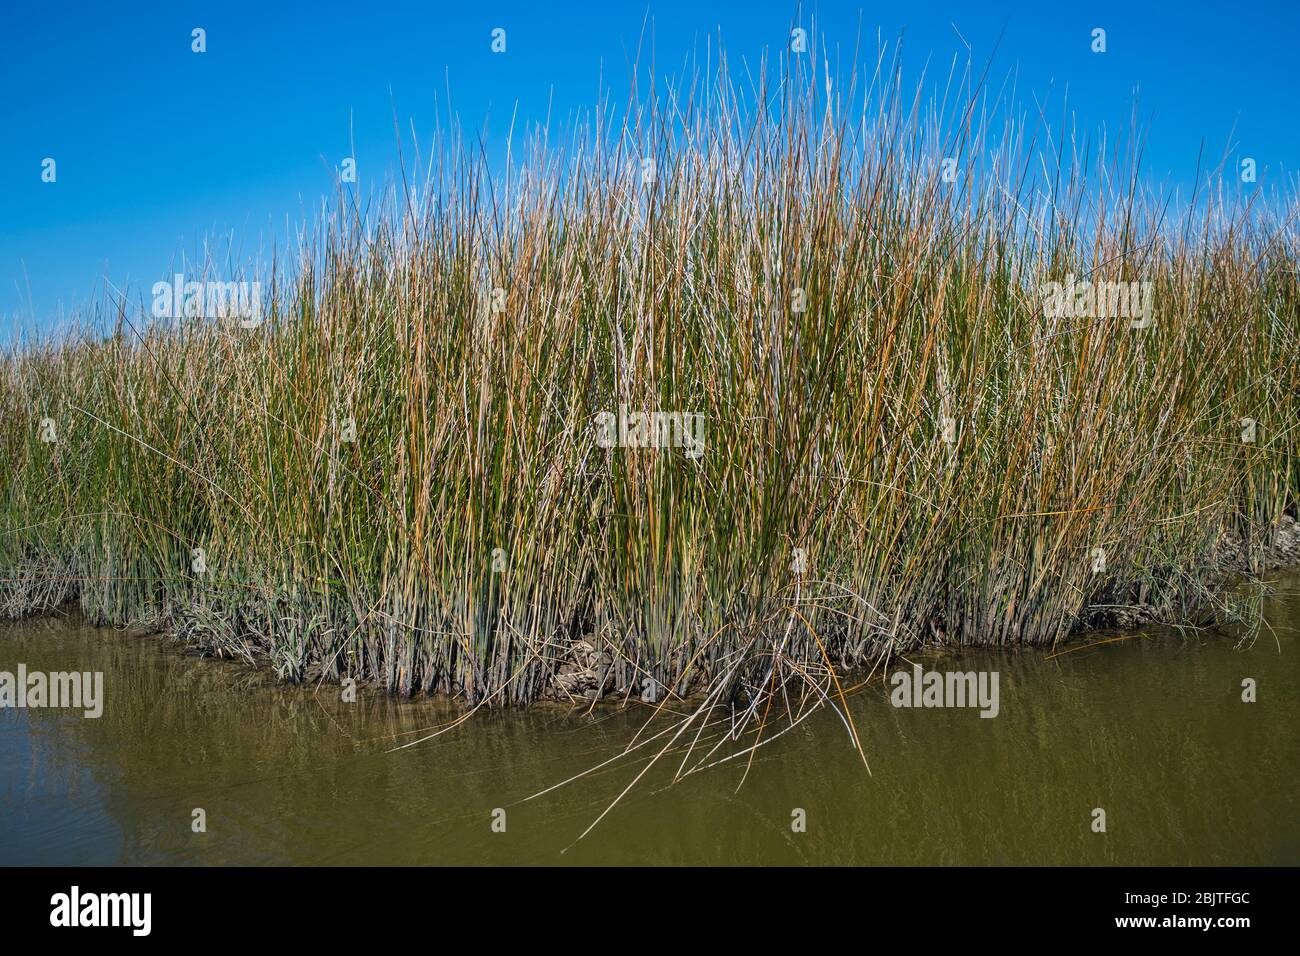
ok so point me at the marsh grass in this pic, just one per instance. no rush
(824, 425)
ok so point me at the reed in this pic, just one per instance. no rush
(900, 445)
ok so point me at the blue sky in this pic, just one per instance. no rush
(158, 148)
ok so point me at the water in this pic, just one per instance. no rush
(1151, 728)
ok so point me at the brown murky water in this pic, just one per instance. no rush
(1151, 728)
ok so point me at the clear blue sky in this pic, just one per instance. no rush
(158, 147)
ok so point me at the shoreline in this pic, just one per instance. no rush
(1232, 567)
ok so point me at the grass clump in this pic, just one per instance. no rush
(400, 475)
